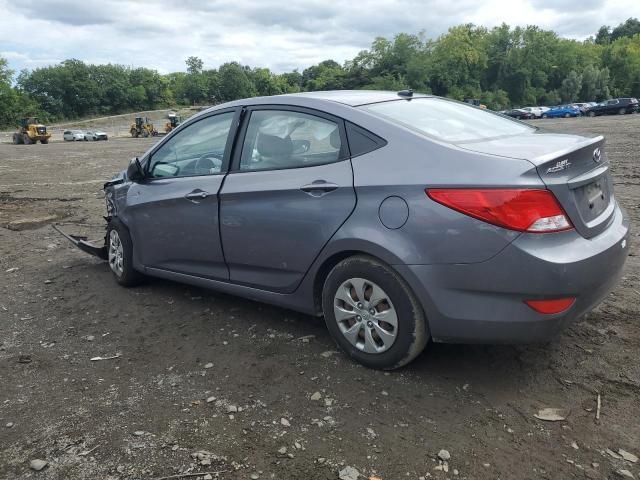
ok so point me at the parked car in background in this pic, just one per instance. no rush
(535, 111)
(519, 113)
(399, 217)
(583, 106)
(95, 135)
(618, 106)
(73, 135)
(562, 111)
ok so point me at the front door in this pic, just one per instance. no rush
(290, 189)
(174, 211)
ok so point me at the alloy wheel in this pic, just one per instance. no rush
(365, 315)
(116, 253)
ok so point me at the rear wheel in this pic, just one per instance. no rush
(120, 254)
(372, 314)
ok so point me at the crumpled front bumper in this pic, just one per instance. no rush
(84, 245)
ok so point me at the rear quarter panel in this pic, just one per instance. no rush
(433, 233)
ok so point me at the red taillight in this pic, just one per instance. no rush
(549, 307)
(524, 210)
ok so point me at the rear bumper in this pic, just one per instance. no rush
(484, 302)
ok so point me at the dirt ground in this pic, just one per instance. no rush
(200, 371)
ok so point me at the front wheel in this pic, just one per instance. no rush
(372, 314)
(120, 254)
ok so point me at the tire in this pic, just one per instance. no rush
(567, 115)
(26, 139)
(622, 111)
(544, 115)
(120, 254)
(371, 277)
(17, 140)
(44, 141)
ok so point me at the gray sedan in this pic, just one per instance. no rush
(399, 217)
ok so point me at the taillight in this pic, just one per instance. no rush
(524, 210)
(549, 307)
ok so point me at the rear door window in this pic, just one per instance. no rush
(278, 139)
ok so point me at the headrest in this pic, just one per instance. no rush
(334, 138)
(272, 146)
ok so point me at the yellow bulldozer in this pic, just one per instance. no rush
(31, 131)
(142, 127)
(174, 121)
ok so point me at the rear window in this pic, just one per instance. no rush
(447, 120)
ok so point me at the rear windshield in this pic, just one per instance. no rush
(447, 120)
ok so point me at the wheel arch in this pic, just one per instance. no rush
(348, 248)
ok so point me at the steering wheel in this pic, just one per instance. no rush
(207, 162)
(167, 163)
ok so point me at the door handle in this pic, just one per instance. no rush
(196, 195)
(319, 187)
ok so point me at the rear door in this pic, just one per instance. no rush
(290, 189)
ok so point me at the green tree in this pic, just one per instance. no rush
(629, 28)
(234, 82)
(571, 86)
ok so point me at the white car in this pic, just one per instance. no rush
(536, 111)
(73, 135)
(95, 135)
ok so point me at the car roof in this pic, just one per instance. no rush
(352, 98)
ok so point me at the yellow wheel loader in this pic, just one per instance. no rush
(174, 121)
(142, 127)
(31, 131)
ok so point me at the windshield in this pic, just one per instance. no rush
(447, 120)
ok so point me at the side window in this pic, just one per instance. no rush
(362, 141)
(196, 150)
(281, 139)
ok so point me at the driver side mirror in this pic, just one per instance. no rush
(135, 172)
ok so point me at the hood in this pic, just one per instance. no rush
(117, 179)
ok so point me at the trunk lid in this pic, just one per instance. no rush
(574, 168)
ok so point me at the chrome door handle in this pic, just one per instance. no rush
(196, 195)
(319, 187)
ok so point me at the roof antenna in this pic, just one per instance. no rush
(406, 93)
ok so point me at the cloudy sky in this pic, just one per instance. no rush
(281, 35)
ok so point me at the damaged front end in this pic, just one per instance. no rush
(84, 245)
(80, 241)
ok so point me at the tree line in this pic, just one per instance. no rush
(502, 67)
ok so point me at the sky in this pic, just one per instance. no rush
(280, 35)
